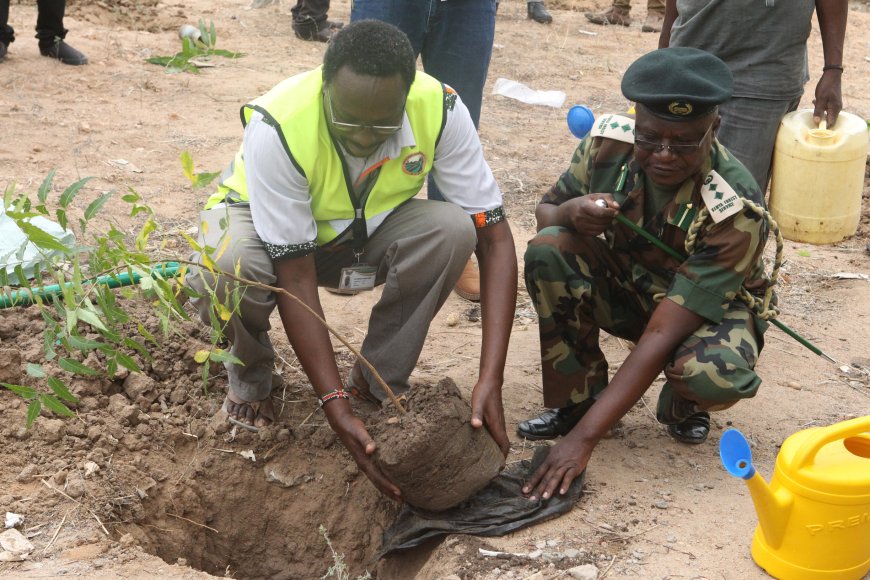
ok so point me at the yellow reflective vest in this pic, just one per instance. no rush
(295, 107)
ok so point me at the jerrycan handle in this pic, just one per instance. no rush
(807, 452)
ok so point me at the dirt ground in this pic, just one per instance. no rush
(149, 481)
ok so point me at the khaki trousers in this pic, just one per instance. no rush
(419, 251)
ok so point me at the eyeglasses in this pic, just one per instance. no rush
(351, 128)
(676, 149)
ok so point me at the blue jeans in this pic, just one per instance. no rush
(452, 37)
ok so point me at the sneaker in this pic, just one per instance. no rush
(63, 52)
(468, 285)
(653, 22)
(612, 15)
(538, 12)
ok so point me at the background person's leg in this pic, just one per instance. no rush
(748, 130)
(7, 33)
(457, 50)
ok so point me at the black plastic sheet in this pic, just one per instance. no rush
(496, 510)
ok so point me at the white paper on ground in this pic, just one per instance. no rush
(524, 94)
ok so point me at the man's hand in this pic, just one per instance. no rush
(565, 462)
(487, 410)
(829, 99)
(361, 446)
(588, 217)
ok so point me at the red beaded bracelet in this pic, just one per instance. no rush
(332, 395)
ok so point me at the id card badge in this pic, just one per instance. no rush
(357, 278)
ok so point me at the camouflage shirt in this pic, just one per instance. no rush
(726, 255)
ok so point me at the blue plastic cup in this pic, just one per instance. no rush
(580, 120)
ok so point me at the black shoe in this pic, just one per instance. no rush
(2, 51)
(538, 12)
(553, 422)
(312, 33)
(63, 52)
(693, 430)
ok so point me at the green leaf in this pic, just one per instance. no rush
(187, 166)
(203, 179)
(21, 391)
(33, 410)
(138, 347)
(95, 206)
(70, 192)
(54, 405)
(41, 238)
(35, 370)
(127, 362)
(91, 318)
(45, 188)
(61, 217)
(220, 355)
(83, 344)
(60, 389)
(76, 367)
(72, 319)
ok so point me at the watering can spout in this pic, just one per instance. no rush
(773, 509)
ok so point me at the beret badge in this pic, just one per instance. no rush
(680, 108)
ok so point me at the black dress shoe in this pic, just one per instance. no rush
(538, 12)
(321, 35)
(63, 52)
(553, 422)
(693, 430)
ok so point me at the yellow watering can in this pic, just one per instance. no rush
(814, 517)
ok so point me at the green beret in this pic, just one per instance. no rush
(678, 83)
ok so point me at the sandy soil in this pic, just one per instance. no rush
(174, 497)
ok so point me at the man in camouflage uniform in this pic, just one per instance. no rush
(660, 170)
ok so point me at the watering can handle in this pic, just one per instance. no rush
(807, 453)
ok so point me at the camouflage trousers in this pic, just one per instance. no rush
(580, 286)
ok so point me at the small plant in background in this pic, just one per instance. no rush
(197, 46)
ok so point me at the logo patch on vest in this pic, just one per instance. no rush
(680, 108)
(449, 97)
(414, 163)
(719, 197)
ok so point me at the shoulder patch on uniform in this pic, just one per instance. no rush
(719, 197)
(449, 97)
(617, 127)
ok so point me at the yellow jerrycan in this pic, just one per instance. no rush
(818, 177)
(814, 517)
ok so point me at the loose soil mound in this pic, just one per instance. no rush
(433, 453)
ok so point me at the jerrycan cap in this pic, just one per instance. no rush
(822, 136)
(833, 461)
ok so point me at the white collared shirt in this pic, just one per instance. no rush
(279, 197)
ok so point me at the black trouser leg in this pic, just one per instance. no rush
(308, 11)
(49, 22)
(7, 34)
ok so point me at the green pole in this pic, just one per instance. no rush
(25, 298)
(675, 254)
